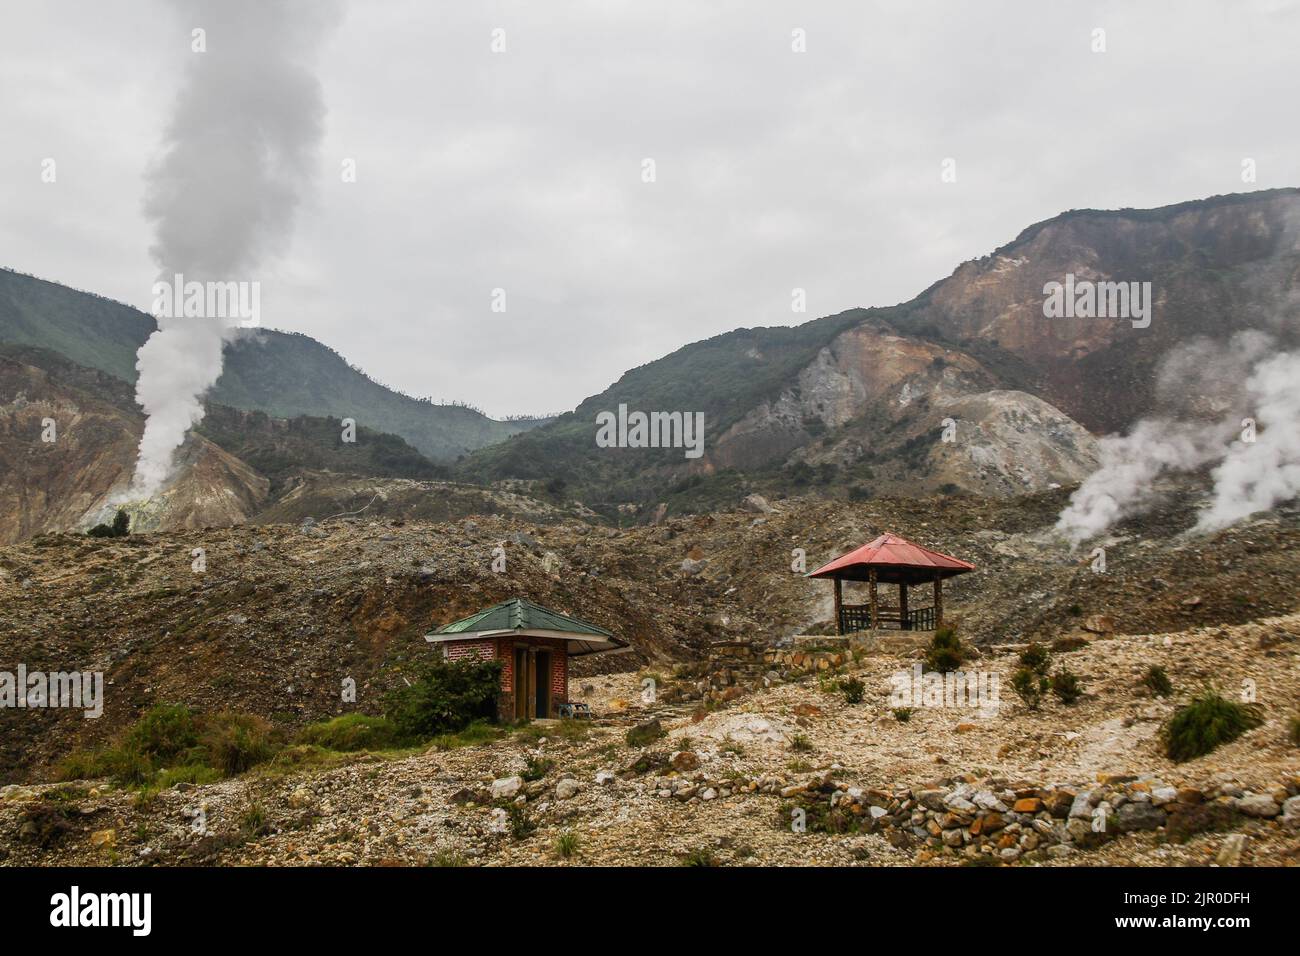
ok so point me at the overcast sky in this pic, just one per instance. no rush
(522, 170)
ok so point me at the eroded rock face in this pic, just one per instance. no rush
(873, 395)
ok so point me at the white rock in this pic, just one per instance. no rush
(567, 789)
(507, 787)
(604, 778)
(1162, 795)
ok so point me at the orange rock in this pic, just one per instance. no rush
(1028, 805)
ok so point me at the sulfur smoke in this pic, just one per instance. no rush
(240, 150)
(1204, 392)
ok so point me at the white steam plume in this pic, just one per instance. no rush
(1204, 391)
(1255, 477)
(240, 150)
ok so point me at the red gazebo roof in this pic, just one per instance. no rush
(895, 560)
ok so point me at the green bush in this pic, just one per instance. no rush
(169, 744)
(1207, 721)
(537, 768)
(163, 733)
(237, 742)
(1157, 681)
(446, 697)
(120, 527)
(945, 652)
(1036, 657)
(903, 714)
(1293, 731)
(521, 825)
(853, 690)
(1029, 687)
(800, 744)
(1066, 686)
(351, 732)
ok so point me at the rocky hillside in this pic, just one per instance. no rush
(237, 467)
(283, 375)
(859, 400)
(790, 773)
(281, 613)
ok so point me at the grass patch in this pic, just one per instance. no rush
(1157, 681)
(350, 733)
(566, 845)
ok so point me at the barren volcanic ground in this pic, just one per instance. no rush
(282, 613)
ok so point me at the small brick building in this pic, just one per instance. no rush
(534, 645)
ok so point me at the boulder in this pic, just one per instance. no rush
(1140, 816)
(685, 760)
(567, 789)
(645, 732)
(1258, 805)
(507, 788)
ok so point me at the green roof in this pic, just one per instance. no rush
(520, 615)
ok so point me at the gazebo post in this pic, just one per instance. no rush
(938, 600)
(902, 605)
(875, 615)
(839, 600)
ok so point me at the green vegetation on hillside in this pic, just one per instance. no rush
(284, 375)
(278, 449)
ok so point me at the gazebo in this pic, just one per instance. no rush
(890, 560)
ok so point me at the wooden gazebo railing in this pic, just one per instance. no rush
(857, 617)
(890, 560)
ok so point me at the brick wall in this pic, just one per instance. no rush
(503, 649)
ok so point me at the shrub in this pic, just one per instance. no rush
(903, 714)
(237, 742)
(169, 744)
(853, 690)
(351, 732)
(1293, 731)
(1029, 687)
(1066, 686)
(1157, 681)
(120, 527)
(446, 697)
(537, 768)
(1207, 721)
(1036, 657)
(163, 733)
(521, 825)
(800, 744)
(701, 857)
(945, 652)
(566, 844)
(253, 822)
